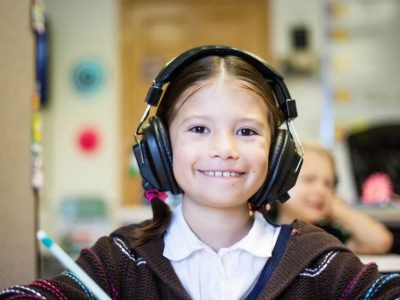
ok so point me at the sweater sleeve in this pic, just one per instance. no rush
(341, 275)
(104, 263)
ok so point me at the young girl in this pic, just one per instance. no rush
(313, 200)
(219, 149)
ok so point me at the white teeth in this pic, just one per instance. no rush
(221, 174)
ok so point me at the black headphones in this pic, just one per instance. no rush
(153, 151)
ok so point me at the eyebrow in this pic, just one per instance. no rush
(251, 120)
(203, 117)
(242, 119)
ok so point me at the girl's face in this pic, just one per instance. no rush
(311, 197)
(220, 140)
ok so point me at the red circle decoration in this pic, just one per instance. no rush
(88, 140)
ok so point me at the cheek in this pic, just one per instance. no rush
(263, 165)
(178, 147)
(259, 155)
(299, 190)
(178, 169)
(290, 208)
(179, 155)
(294, 203)
(183, 157)
(259, 164)
(296, 200)
(294, 192)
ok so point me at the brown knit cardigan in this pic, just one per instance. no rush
(315, 265)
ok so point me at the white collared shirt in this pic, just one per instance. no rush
(229, 274)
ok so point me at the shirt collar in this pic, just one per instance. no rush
(258, 242)
(179, 240)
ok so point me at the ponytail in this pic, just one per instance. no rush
(156, 226)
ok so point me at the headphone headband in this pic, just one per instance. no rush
(186, 58)
(173, 67)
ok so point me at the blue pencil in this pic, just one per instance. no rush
(70, 264)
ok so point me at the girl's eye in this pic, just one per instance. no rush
(246, 132)
(199, 129)
(308, 178)
(329, 184)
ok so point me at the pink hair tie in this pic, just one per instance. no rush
(153, 193)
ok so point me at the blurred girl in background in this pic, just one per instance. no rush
(313, 199)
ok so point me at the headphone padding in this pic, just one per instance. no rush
(165, 152)
(271, 189)
(157, 162)
(275, 157)
(288, 167)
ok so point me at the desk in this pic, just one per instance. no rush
(385, 214)
(386, 262)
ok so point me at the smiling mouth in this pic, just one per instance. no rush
(317, 206)
(222, 173)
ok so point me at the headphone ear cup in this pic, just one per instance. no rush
(161, 152)
(283, 170)
(275, 157)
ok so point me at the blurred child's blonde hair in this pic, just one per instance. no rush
(314, 146)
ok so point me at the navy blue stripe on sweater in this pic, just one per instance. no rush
(272, 262)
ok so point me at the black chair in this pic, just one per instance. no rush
(377, 149)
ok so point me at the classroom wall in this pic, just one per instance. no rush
(355, 44)
(17, 251)
(305, 89)
(83, 36)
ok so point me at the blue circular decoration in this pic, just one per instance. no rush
(88, 76)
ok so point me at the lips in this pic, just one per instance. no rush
(222, 173)
(317, 206)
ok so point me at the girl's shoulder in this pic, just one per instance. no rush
(313, 243)
(126, 231)
(127, 236)
(316, 263)
(336, 231)
(314, 234)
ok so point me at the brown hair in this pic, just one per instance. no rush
(199, 71)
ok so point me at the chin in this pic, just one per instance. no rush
(315, 220)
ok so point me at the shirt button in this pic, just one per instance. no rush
(216, 286)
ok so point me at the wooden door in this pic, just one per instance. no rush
(154, 31)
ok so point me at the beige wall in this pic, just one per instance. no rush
(17, 250)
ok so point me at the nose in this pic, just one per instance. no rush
(224, 145)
